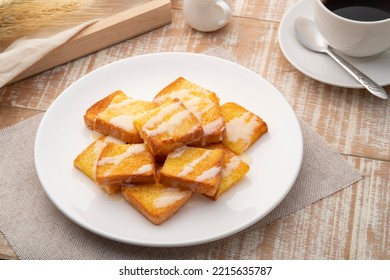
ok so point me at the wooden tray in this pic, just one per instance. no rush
(106, 32)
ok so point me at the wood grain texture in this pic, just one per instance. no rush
(351, 224)
(12, 115)
(6, 251)
(104, 33)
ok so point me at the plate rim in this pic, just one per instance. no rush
(97, 231)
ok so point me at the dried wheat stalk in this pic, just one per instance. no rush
(22, 17)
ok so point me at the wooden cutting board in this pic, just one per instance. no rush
(105, 32)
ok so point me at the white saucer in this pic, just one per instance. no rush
(321, 67)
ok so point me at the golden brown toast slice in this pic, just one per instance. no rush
(156, 202)
(203, 103)
(195, 169)
(233, 170)
(243, 127)
(93, 111)
(87, 160)
(167, 127)
(125, 163)
(117, 119)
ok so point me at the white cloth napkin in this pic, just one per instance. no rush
(27, 50)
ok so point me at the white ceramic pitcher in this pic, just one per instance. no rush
(207, 15)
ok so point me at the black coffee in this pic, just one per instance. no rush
(360, 10)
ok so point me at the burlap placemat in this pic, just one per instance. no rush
(36, 229)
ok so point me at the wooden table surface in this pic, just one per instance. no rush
(355, 222)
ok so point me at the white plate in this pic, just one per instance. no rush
(320, 66)
(62, 135)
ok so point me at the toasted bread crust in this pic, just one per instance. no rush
(129, 137)
(208, 189)
(93, 111)
(111, 189)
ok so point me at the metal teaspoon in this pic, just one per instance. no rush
(309, 36)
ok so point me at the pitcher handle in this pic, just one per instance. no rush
(226, 10)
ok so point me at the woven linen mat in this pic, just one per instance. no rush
(36, 229)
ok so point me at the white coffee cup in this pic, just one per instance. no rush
(207, 15)
(351, 37)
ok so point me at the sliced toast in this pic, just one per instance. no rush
(125, 163)
(167, 127)
(156, 202)
(203, 103)
(195, 169)
(114, 116)
(243, 127)
(87, 160)
(233, 170)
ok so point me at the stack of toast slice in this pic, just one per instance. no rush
(181, 143)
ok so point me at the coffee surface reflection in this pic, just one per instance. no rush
(360, 10)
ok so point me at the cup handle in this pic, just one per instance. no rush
(226, 11)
